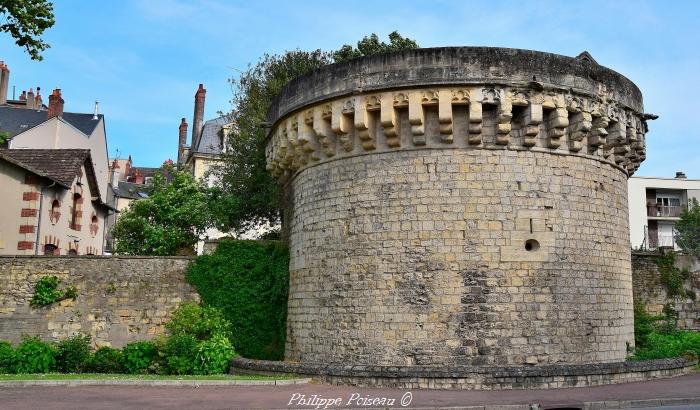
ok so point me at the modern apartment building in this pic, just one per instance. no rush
(655, 204)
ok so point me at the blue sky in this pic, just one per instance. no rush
(144, 59)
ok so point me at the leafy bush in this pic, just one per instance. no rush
(73, 354)
(213, 355)
(179, 354)
(248, 281)
(666, 345)
(671, 276)
(34, 356)
(199, 322)
(46, 292)
(138, 356)
(106, 360)
(7, 356)
(687, 229)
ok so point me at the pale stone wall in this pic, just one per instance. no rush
(120, 299)
(649, 290)
(418, 257)
(458, 206)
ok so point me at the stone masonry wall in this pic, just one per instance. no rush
(420, 257)
(120, 299)
(649, 290)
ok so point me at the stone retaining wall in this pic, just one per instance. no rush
(648, 289)
(120, 299)
(473, 377)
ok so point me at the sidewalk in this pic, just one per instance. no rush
(676, 391)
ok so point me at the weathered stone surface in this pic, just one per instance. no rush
(649, 290)
(468, 209)
(120, 299)
(473, 377)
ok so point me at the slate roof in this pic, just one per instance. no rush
(210, 140)
(17, 120)
(145, 171)
(130, 190)
(58, 165)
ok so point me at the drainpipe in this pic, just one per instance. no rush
(38, 224)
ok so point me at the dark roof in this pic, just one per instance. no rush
(210, 140)
(17, 120)
(130, 190)
(58, 165)
(145, 171)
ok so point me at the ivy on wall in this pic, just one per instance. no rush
(46, 292)
(673, 277)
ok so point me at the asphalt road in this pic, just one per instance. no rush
(254, 397)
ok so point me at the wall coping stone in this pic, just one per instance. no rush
(377, 371)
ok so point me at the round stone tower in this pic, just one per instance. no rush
(459, 206)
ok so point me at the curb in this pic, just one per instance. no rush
(170, 383)
(631, 404)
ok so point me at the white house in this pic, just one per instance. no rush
(655, 204)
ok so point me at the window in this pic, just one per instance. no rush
(55, 212)
(75, 217)
(668, 206)
(94, 226)
(50, 249)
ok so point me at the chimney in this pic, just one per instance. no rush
(115, 172)
(138, 178)
(4, 81)
(127, 168)
(95, 116)
(23, 96)
(37, 99)
(198, 114)
(680, 175)
(55, 104)
(182, 141)
(30, 99)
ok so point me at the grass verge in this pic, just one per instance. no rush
(100, 376)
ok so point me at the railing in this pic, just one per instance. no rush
(655, 241)
(673, 211)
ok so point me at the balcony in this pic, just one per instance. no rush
(665, 211)
(659, 241)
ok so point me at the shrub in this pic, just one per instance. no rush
(668, 345)
(7, 356)
(199, 322)
(73, 354)
(213, 355)
(248, 281)
(46, 292)
(138, 356)
(106, 360)
(179, 354)
(34, 356)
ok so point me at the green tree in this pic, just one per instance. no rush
(247, 196)
(371, 45)
(25, 21)
(687, 229)
(169, 222)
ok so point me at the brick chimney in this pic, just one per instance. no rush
(182, 141)
(55, 104)
(198, 114)
(30, 99)
(4, 81)
(37, 99)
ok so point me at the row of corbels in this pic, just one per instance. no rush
(599, 125)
